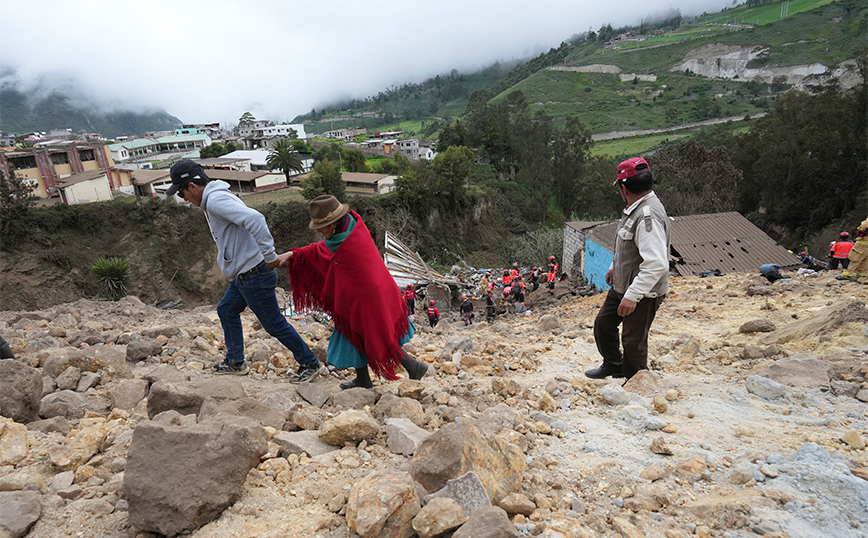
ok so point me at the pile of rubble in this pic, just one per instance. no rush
(752, 422)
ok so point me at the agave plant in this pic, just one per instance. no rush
(112, 274)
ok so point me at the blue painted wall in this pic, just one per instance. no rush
(597, 262)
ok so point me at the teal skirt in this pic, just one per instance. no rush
(342, 354)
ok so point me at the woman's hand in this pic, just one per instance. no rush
(283, 259)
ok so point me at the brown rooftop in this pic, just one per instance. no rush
(725, 241)
(79, 177)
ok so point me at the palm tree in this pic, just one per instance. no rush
(284, 157)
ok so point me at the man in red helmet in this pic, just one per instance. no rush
(839, 252)
(639, 275)
(410, 298)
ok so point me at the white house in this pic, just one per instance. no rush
(84, 187)
(257, 159)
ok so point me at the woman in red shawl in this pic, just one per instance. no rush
(344, 276)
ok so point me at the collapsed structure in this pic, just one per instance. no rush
(726, 242)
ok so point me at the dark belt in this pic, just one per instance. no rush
(260, 267)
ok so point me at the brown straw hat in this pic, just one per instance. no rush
(324, 210)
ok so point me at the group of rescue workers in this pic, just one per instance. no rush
(851, 257)
(513, 286)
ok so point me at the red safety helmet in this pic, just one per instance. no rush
(630, 168)
(845, 235)
(551, 258)
(432, 302)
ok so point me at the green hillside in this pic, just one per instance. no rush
(18, 114)
(821, 31)
(432, 102)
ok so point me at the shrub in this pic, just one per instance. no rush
(113, 276)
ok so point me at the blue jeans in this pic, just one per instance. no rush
(255, 289)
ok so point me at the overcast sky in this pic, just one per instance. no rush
(211, 60)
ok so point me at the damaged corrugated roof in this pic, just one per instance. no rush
(407, 267)
(725, 241)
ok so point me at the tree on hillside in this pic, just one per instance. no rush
(572, 147)
(692, 178)
(330, 151)
(214, 150)
(325, 178)
(16, 201)
(354, 160)
(247, 117)
(301, 146)
(283, 157)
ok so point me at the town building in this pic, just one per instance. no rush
(345, 134)
(43, 167)
(364, 184)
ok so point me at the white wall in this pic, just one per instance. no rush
(93, 190)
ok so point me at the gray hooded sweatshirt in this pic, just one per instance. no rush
(242, 236)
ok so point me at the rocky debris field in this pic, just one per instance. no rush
(751, 422)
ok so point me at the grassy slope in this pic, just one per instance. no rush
(604, 103)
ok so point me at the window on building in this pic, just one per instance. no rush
(86, 155)
(21, 163)
(59, 158)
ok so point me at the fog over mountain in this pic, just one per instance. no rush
(208, 61)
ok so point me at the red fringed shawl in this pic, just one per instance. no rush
(354, 287)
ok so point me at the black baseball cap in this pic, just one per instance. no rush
(183, 172)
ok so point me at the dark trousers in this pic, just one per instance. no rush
(411, 305)
(833, 263)
(634, 337)
(433, 321)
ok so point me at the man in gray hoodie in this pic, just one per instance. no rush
(245, 254)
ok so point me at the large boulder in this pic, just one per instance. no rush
(13, 442)
(391, 406)
(460, 447)
(467, 490)
(355, 398)
(187, 397)
(19, 510)
(109, 359)
(438, 517)
(802, 370)
(383, 505)
(458, 342)
(128, 393)
(141, 349)
(65, 403)
(20, 391)
(402, 436)
(765, 388)
(80, 448)
(487, 522)
(179, 478)
(349, 427)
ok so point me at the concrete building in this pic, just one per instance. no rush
(257, 160)
(45, 166)
(361, 183)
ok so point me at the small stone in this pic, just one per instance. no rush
(660, 404)
(695, 465)
(745, 431)
(671, 395)
(652, 473)
(757, 326)
(853, 439)
(516, 503)
(547, 403)
(659, 446)
(614, 394)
